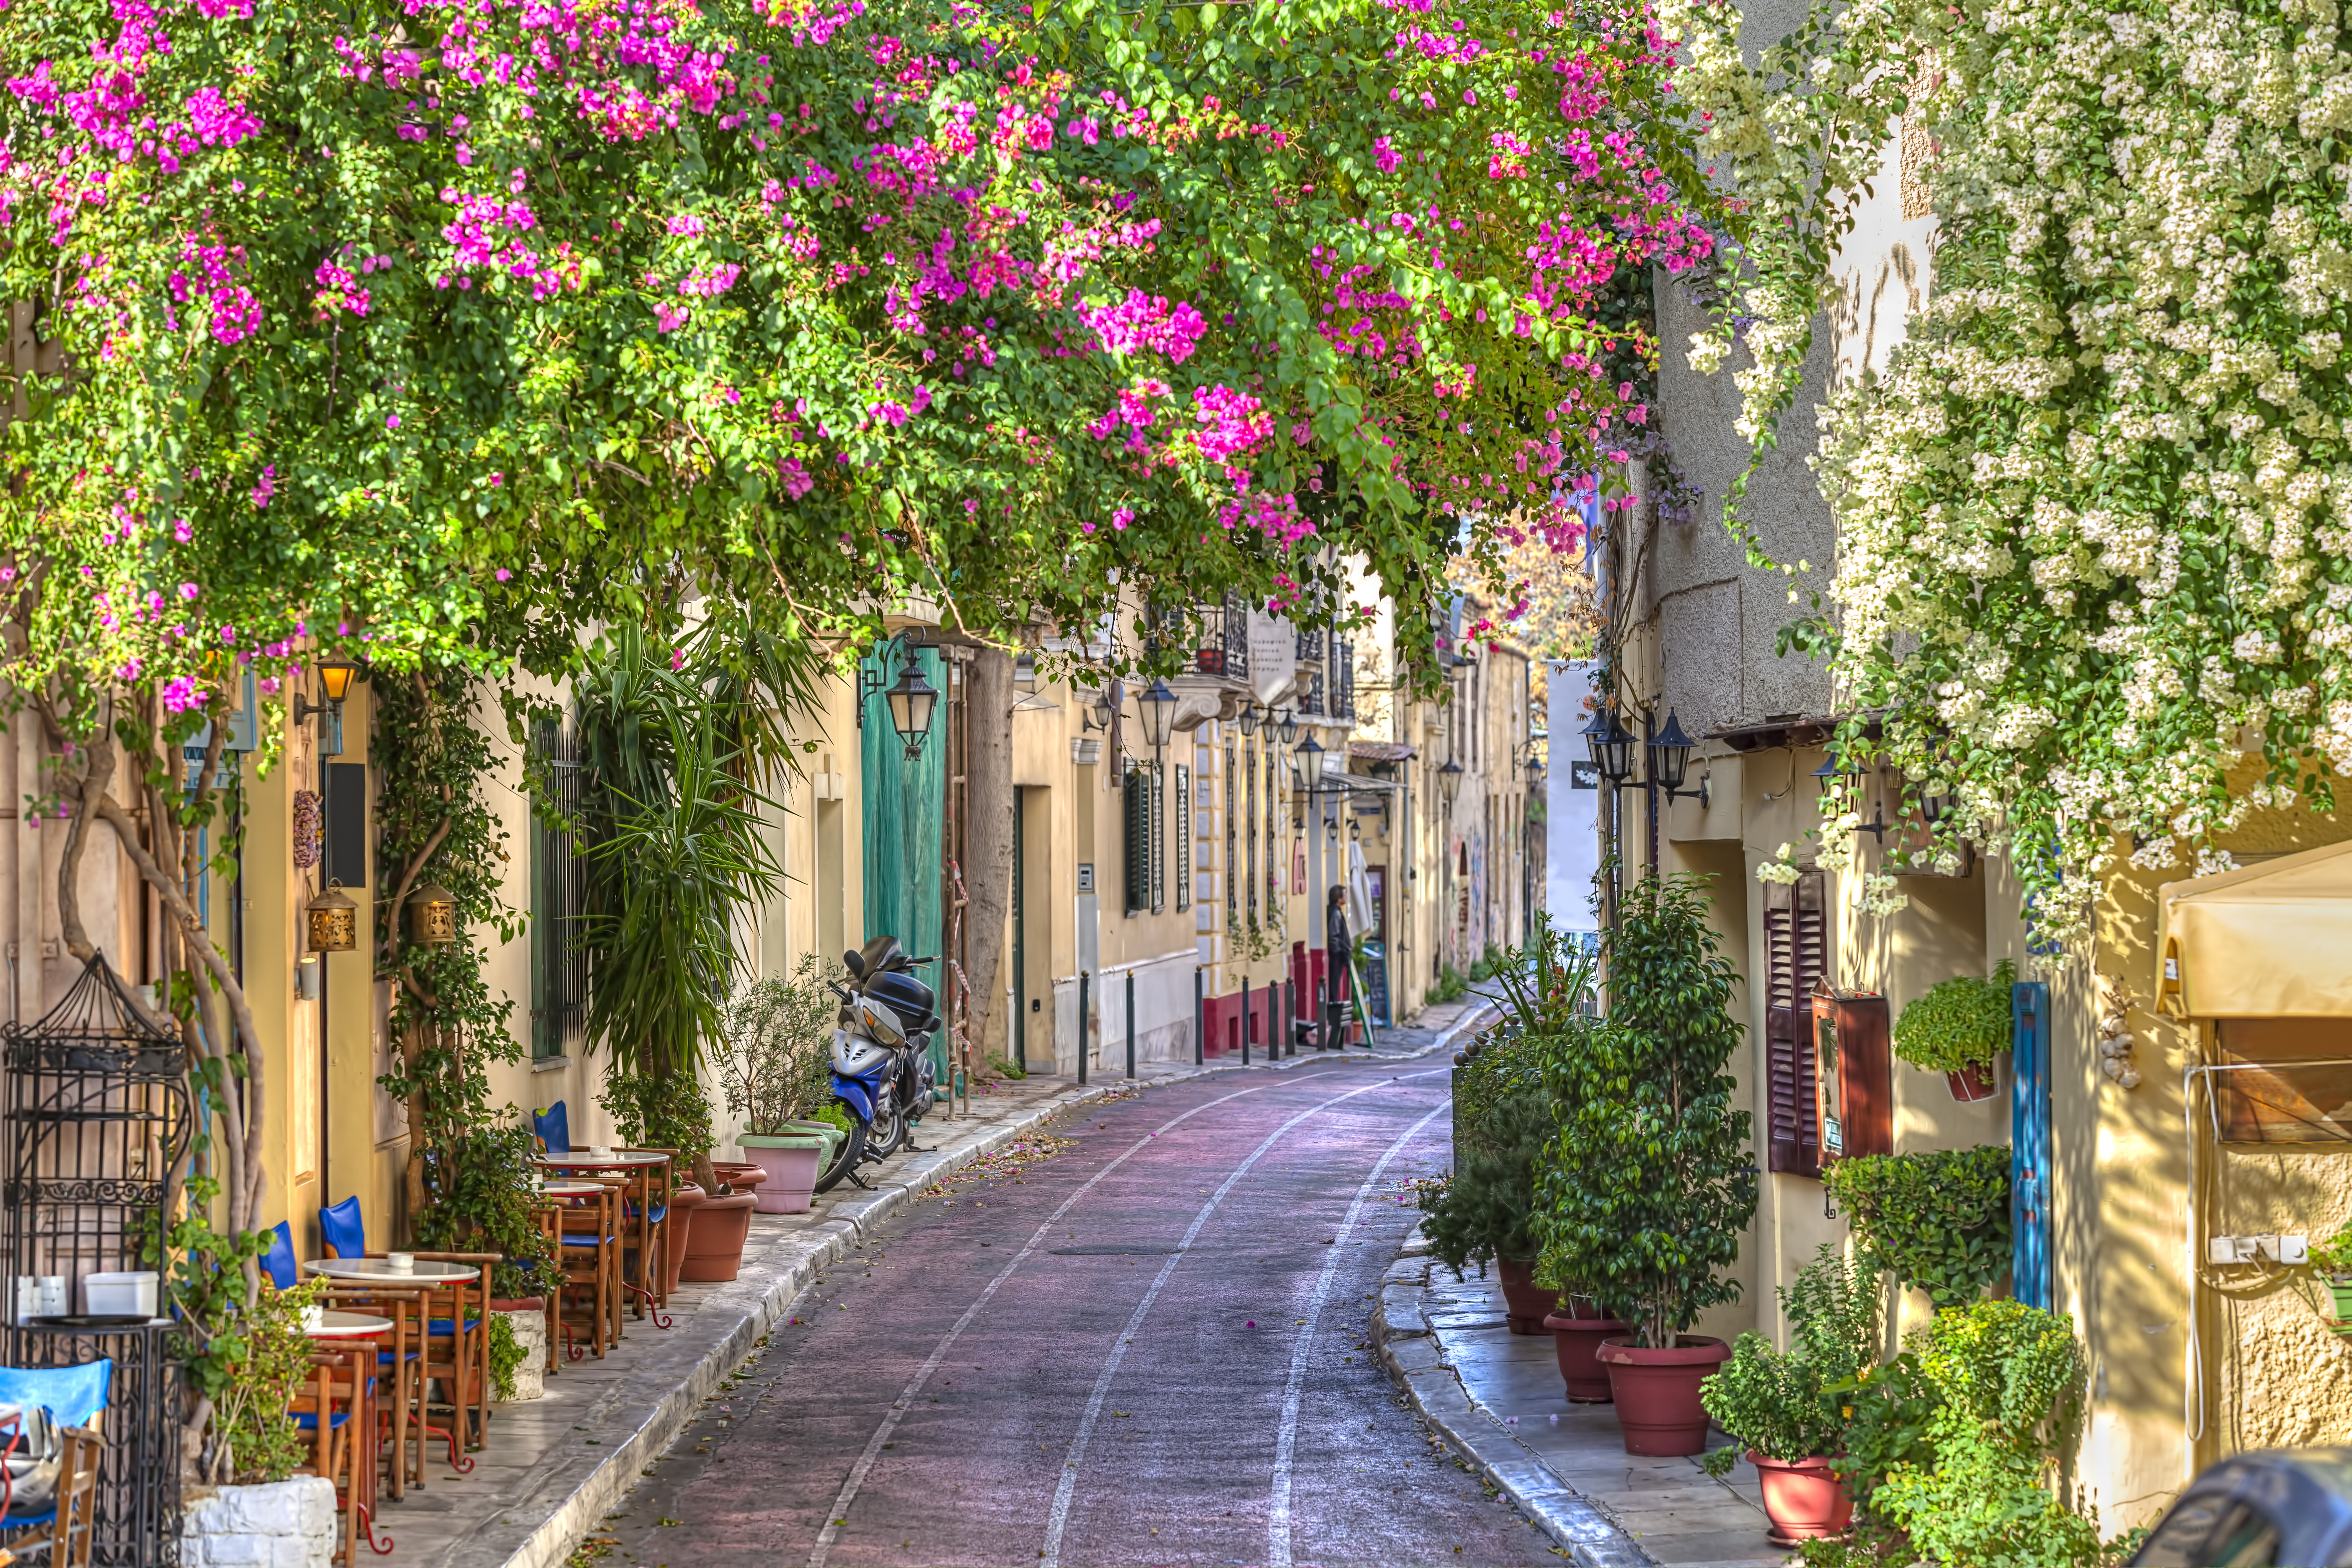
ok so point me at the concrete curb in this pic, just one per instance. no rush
(1401, 1336)
(575, 1491)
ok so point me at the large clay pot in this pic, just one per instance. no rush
(790, 1163)
(684, 1200)
(1971, 1083)
(714, 1242)
(1804, 1499)
(1525, 1302)
(1656, 1393)
(1577, 1342)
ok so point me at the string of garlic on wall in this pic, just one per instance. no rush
(2116, 1041)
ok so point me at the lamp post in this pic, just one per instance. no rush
(1158, 705)
(911, 700)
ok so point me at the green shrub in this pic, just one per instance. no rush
(2006, 1385)
(1652, 1178)
(1961, 1022)
(265, 1359)
(1938, 1220)
(773, 1056)
(1791, 1405)
(1005, 1067)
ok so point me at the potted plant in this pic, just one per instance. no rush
(1503, 1118)
(774, 1064)
(2333, 1259)
(1787, 1410)
(1650, 1178)
(1959, 1028)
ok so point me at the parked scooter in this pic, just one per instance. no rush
(882, 1073)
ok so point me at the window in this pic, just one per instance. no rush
(1232, 836)
(559, 969)
(1795, 955)
(1183, 837)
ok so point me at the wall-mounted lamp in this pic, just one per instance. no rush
(335, 684)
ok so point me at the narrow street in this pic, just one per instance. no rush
(1148, 1348)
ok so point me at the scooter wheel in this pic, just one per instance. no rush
(846, 1155)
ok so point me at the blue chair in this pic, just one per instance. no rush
(553, 1126)
(75, 1397)
(344, 1231)
(278, 1262)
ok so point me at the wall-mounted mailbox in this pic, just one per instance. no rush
(1854, 1074)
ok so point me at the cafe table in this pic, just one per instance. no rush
(416, 1281)
(640, 1165)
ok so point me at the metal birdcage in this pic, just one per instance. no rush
(98, 1119)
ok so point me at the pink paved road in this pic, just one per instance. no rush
(1061, 1368)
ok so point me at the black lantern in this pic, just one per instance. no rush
(910, 703)
(1287, 726)
(335, 679)
(1158, 705)
(1612, 744)
(1449, 783)
(1670, 751)
(1310, 763)
(1098, 710)
(1935, 800)
(1248, 721)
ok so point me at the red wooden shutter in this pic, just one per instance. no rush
(1795, 955)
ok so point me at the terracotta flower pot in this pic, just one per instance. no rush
(1577, 1341)
(1657, 1393)
(683, 1201)
(788, 1163)
(1525, 1302)
(714, 1242)
(1804, 1499)
(740, 1174)
(1971, 1083)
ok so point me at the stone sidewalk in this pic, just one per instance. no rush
(1498, 1395)
(554, 1466)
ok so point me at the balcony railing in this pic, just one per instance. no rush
(1342, 678)
(1224, 648)
(1310, 646)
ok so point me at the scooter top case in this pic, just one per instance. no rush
(905, 996)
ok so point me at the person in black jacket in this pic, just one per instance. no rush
(1338, 950)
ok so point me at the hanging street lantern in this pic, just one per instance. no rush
(1612, 746)
(433, 915)
(1670, 751)
(1248, 721)
(911, 701)
(1310, 763)
(1449, 783)
(1158, 705)
(330, 921)
(1288, 726)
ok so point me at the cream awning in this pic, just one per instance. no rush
(2271, 941)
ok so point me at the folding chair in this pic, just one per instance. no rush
(75, 1397)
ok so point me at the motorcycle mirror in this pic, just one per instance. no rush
(854, 961)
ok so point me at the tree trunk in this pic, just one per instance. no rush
(988, 831)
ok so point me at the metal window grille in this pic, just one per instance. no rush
(1343, 680)
(1233, 839)
(558, 989)
(1134, 802)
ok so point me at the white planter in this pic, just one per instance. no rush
(530, 1333)
(285, 1524)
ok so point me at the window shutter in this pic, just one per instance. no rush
(1183, 837)
(1795, 955)
(1137, 848)
(1156, 828)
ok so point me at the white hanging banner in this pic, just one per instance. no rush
(1273, 657)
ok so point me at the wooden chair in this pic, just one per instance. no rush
(588, 1260)
(336, 1409)
(457, 1348)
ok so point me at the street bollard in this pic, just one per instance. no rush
(1290, 1014)
(1130, 1023)
(1083, 978)
(1198, 1045)
(1245, 1020)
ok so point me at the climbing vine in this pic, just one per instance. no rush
(468, 1184)
(2093, 518)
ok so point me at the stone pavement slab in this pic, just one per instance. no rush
(1448, 1342)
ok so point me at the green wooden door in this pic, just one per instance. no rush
(904, 802)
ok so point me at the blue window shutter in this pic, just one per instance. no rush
(2028, 1144)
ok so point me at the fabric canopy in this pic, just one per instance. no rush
(2271, 941)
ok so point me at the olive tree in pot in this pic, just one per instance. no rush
(1959, 1028)
(1787, 1410)
(776, 1068)
(1650, 1178)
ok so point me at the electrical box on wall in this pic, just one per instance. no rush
(1853, 1073)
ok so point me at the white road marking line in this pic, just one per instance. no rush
(1050, 1557)
(1285, 1443)
(839, 1515)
